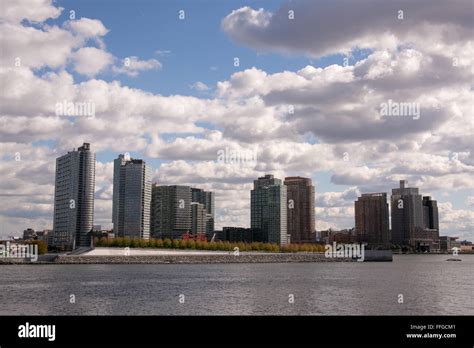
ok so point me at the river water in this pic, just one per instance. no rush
(410, 285)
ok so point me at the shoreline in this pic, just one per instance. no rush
(182, 259)
(184, 256)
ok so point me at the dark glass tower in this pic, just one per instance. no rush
(430, 213)
(74, 198)
(131, 198)
(170, 211)
(407, 214)
(268, 209)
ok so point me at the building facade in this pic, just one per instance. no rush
(240, 234)
(198, 218)
(268, 209)
(430, 213)
(170, 211)
(74, 198)
(406, 213)
(131, 198)
(29, 234)
(447, 243)
(206, 198)
(372, 219)
(415, 220)
(300, 214)
(339, 236)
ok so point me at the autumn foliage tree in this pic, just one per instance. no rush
(168, 243)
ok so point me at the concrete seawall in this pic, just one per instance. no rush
(378, 255)
(111, 256)
(199, 259)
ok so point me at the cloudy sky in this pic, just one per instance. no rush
(301, 83)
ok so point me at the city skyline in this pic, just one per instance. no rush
(281, 211)
(278, 208)
(222, 79)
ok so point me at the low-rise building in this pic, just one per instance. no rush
(29, 234)
(425, 240)
(240, 234)
(46, 236)
(447, 243)
(466, 246)
(339, 236)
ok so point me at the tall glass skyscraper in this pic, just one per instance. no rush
(430, 213)
(170, 211)
(268, 209)
(131, 198)
(74, 198)
(407, 214)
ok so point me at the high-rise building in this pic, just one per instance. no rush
(407, 214)
(170, 211)
(209, 226)
(300, 215)
(131, 198)
(206, 198)
(371, 219)
(430, 213)
(268, 210)
(198, 218)
(74, 198)
(29, 234)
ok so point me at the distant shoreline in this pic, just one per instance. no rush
(179, 256)
(183, 259)
(167, 256)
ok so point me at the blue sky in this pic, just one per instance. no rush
(191, 50)
(198, 49)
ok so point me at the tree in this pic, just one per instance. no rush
(152, 243)
(42, 246)
(142, 243)
(242, 246)
(175, 244)
(167, 243)
(126, 242)
(267, 247)
(159, 243)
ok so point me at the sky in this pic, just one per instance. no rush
(305, 98)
